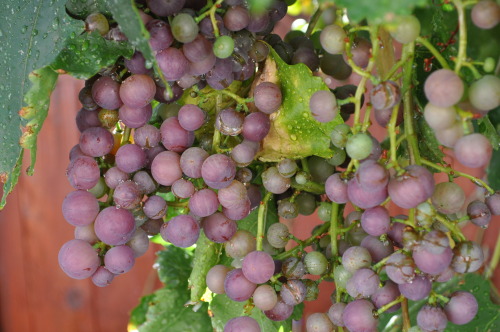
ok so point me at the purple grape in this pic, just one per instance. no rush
(137, 64)
(431, 318)
(182, 231)
(418, 289)
(308, 57)
(80, 208)
(293, 268)
(364, 282)
(233, 195)
(203, 203)
(236, 18)
(165, 7)
(83, 173)
(102, 277)
(493, 203)
(206, 27)
(384, 116)
(358, 316)
(395, 233)
(192, 160)
(160, 35)
(165, 168)
(319, 322)
(237, 287)
(258, 267)
(448, 197)
(165, 97)
(377, 249)
(183, 188)
(119, 259)
(280, 312)
(388, 293)
(264, 297)
(376, 221)
(356, 258)
(443, 88)
(274, 182)
(467, 257)
(147, 136)
(445, 275)
(385, 95)
(240, 244)
(335, 313)
(137, 90)
(431, 263)
(238, 212)
(78, 259)
(220, 76)
(152, 226)
(362, 198)
(173, 63)
(479, 213)
(130, 158)
(155, 207)
(86, 233)
(218, 171)
(96, 142)
(215, 278)
(114, 226)
(218, 228)
(127, 195)
(372, 176)
(435, 242)
(229, 122)
(174, 137)
(191, 117)
(139, 243)
(485, 14)
(238, 324)
(115, 176)
(336, 189)
(105, 92)
(197, 50)
(135, 117)
(85, 97)
(461, 308)
(202, 67)
(323, 105)
(254, 195)
(473, 150)
(267, 97)
(244, 153)
(400, 268)
(76, 152)
(258, 21)
(413, 187)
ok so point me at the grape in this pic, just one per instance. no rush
(277, 235)
(335, 66)
(377, 249)
(485, 14)
(258, 267)
(155, 207)
(358, 316)
(198, 50)
(338, 158)
(385, 95)
(461, 308)
(385, 295)
(85, 98)
(365, 282)
(165, 7)
(468, 257)
(80, 208)
(280, 312)
(264, 297)
(484, 94)
(237, 286)
(306, 56)
(237, 324)
(267, 97)
(407, 29)
(165, 168)
(259, 51)
(182, 231)
(449, 136)
(287, 167)
(356, 258)
(135, 117)
(173, 63)
(306, 203)
(430, 318)
(78, 259)
(119, 259)
(184, 28)
(218, 228)
(136, 64)
(223, 47)
(191, 117)
(137, 90)
(359, 146)
(256, 126)
(340, 135)
(473, 150)
(244, 153)
(229, 122)
(293, 292)
(444, 276)
(139, 243)
(493, 203)
(293, 268)
(413, 187)
(108, 118)
(105, 92)
(192, 160)
(239, 212)
(182, 188)
(448, 197)
(435, 242)
(203, 203)
(418, 289)
(147, 136)
(274, 182)
(319, 322)
(174, 137)
(443, 88)
(244, 175)
(383, 117)
(236, 18)
(152, 226)
(83, 173)
(240, 244)
(335, 313)
(215, 278)
(221, 75)
(319, 169)
(323, 105)
(114, 226)
(372, 176)
(400, 268)
(287, 209)
(439, 117)
(127, 195)
(233, 195)
(96, 142)
(130, 158)
(341, 276)
(479, 213)
(75, 152)
(332, 39)
(316, 263)
(86, 233)
(115, 176)
(363, 198)
(432, 263)
(102, 277)
(160, 35)
(376, 221)
(218, 171)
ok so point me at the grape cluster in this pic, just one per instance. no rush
(144, 151)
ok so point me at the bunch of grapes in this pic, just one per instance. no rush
(144, 150)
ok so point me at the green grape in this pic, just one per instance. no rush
(340, 134)
(316, 263)
(407, 30)
(325, 211)
(306, 203)
(223, 47)
(359, 146)
(338, 158)
(100, 189)
(184, 28)
(97, 22)
(489, 65)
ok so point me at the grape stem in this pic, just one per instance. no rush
(310, 186)
(240, 100)
(212, 17)
(406, 315)
(392, 136)
(386, 307)
(424, 42)
(314, 19)
(494, 260)
(382, 262)
(261, 219)
(126, 136)
(334, 229)
(451, 226)
(462, 30)
(434, 297)
(305, 243)
(453, 172)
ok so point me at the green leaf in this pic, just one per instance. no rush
(224, 309)
(138, 314)
(489, 131)
(206, 255)
(249, 223)
(377, 10)
(84, 55)
(31, 35)
(83, 8)
(174, 266)
(494, 171)
(294, 132)
(427, 142)
(487, 318)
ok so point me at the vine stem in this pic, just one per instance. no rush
(334, 228)
(261, 219)
(126, 136)
(406, 315)
(494, 260)
(452, 227)
(424, 42)
(386, 307)
(314, 19)
(212, 17)
(451, 171)
(392, 135)
(322, 229)
(462, 30)
(411, 137)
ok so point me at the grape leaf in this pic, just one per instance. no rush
(224, 309)
(377, 10)
(138, 314)
(487, 318)
(294, 132)
(83, 8)
(206, 255)
(84, 55)
(174, 266)
(489, 131)
(249, 223)
(31, 35)
(494, 171)
(427, 142)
